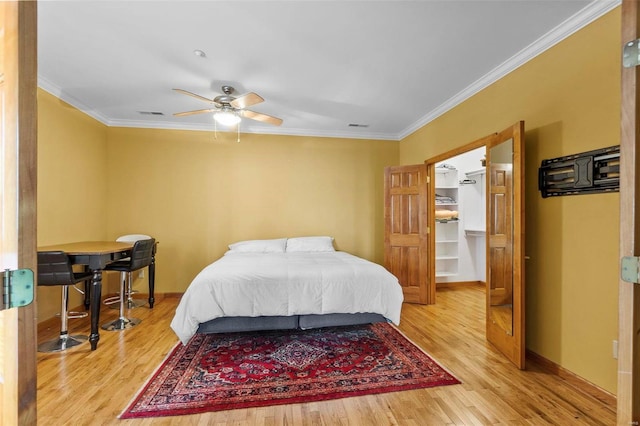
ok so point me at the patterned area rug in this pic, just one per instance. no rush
(240, 370)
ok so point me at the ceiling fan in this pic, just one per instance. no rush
(228, 110)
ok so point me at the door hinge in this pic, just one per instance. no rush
(630, 269)
(631, 54)
(17, 288)
(428, 179)
(428, 230)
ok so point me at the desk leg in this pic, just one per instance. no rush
(87, 292)
(152, 281)
(96, 294)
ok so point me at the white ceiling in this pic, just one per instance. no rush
(320, 65)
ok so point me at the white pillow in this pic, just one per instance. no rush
(310, 244)
(260, 246)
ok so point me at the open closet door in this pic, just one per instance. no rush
(505, 243)
(405, 233)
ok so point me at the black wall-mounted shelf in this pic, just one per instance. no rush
(585, 173)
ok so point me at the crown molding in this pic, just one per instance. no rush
(47, 86)
(56, 91)
(588, 14)
(253, 130)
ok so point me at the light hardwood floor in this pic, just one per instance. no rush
(80, 387)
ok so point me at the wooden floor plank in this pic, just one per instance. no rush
(81, 387)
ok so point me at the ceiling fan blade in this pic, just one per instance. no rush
(198, 111)
(246, 100)
(202, 98)
(265, 118)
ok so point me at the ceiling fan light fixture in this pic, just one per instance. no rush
(226, 118)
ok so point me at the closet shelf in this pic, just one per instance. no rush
(445, 169)
(446, 214)
(476, 172)
(474, 232)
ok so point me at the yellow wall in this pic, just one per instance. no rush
(72, 181)
(569, 98)
(196, 195)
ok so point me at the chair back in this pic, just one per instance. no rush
(132, 238)
(142, 254)
(54, 268)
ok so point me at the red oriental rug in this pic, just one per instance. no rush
(240, 370)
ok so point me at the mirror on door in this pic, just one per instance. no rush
(500, 235)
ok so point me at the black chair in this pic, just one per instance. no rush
(141, 257)
(55, 268)
(130, 301)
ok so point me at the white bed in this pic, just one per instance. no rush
(286, 278)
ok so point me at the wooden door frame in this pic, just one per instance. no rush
(512, 345)
(20, 92)
(628, 393)
(431, 203)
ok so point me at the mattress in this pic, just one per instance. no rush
(286, 285)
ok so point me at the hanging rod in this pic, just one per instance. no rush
(467, 182)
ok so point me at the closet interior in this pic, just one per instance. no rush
(460, 216)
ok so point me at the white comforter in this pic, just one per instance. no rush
(267, 284)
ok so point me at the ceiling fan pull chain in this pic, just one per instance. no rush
(238, 128)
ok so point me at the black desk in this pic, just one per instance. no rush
(96, 255)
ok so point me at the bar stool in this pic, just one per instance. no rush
(141, 257)
(114, 301)
(55, 268)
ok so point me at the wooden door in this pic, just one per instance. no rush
(501, 237)
(628, 394)
(505, 243)
(405, 237)
(18, 112)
